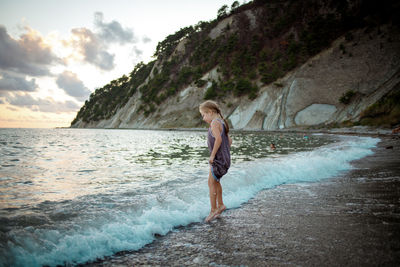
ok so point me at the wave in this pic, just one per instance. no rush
(112, 223)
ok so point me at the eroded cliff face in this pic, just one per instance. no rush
(367, 64)
(310, 94)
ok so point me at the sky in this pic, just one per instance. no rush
(54, 54)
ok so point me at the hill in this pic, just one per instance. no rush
(270, 64)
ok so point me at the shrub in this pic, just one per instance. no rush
(171, 91)
(346, 97)
(200, 83)
(252, 95)
(271, 73)
(349, 37)
(290, 63)
(342, 48)
(212, 91)
(227, 86)
(244, 86)
(384, 112)
(184, 76)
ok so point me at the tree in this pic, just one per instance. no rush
(172, 40)
(222, 11)
(201, 25)
(234, 5)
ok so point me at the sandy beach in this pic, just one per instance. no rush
(349, 220)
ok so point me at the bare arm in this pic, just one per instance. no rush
(216, 131)
(230, 140)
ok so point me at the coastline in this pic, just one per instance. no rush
(352, 219)
(355, 130)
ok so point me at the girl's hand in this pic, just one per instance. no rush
(211, 160)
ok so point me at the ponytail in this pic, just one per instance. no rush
(225, 121)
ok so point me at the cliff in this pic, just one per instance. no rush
(289, 81)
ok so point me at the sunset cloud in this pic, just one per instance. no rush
(50, 71)
(27, 55)
(92, 48)
(16, 83)
(40, 104)
(93, 45)
(72, 85)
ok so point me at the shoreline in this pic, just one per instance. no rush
(351, 219)
(355, 130)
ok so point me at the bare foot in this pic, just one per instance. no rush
(211, 216)
(221, 209)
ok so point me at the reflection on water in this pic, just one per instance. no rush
(55, 164)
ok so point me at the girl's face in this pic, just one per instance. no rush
(207, 115)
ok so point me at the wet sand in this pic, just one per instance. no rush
(349, 220)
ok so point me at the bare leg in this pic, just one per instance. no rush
(213, 197)
(213, 192)
(221, 206)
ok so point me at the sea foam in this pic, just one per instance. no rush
(125, 225)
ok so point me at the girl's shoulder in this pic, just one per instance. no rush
(218, 123)
(217, 120)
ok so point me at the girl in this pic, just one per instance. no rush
(219, 143)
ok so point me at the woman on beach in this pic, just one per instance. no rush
(219, 143)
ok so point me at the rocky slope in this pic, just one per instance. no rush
(334, 86)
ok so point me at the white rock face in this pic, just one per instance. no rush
(185, 93)
(252, 18)
(220, 28)
(315, 114)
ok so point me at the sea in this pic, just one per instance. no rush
(71, 196)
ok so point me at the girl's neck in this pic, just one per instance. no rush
(215, 116)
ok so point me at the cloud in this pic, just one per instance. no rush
(146, 39)
(28, 55)
(71, 84)
(44, 105)
(16, 83)
(11, 108)
(93, 45)
(113, 31)
(92, 48)
(137, 51)
(59, 107)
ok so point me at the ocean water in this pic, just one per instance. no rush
(70, 196)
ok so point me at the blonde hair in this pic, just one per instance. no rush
(213, 106)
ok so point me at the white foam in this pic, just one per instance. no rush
(117, 228)
(324, 162)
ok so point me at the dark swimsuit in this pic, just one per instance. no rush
(222, 160)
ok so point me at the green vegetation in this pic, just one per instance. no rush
(385, 112)
(105, 101)
(212, 91)
(238, 87)
(166, 47)
(282, 36)
(346, 97)
(200, 83)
